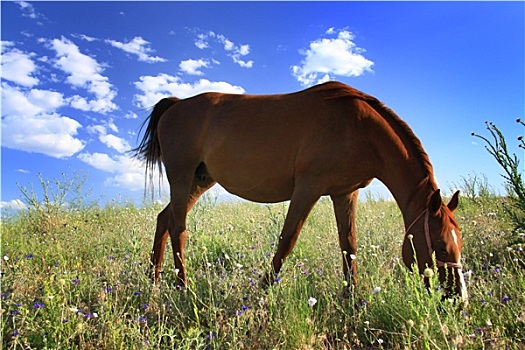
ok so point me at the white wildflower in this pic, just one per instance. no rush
(312, 301)
(428, 272)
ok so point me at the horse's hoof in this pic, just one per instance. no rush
(267, 280)
(264, 281)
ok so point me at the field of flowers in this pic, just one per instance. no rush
(78, 280)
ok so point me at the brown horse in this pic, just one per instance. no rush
(326, 140)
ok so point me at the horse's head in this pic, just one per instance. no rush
(435, 231)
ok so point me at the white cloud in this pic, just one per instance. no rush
(84, 37)
(49, 134)
(127, 172)
(111, 124)
(97, 129)
(28, 10)
(330, 30)
(244, 50)
(85, 72)
(17, 66)
(138, 46)
(201, 41)
(15, 204)
(331, 56)
(192, 66)
(131, 180)
(100, 161)
(131, 115)
(228, 45)
(234, 51)
(243, 64)
(112, 141)
(30, 123)
(154, 88)
(20, 103)
(115, 142)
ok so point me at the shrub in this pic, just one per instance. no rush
(45, 213)
(497, 147)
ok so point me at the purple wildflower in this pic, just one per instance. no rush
(15, 312)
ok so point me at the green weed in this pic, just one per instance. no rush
(85, 285)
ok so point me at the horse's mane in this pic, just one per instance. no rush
(405, 133)
(401, 128)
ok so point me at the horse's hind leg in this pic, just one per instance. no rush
(345, 210)
(159, 244)
(183, 198)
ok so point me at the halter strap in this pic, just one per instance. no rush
(429, 241)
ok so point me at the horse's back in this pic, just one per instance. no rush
(256, 143)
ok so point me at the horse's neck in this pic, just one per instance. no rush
(409, 182)
(403, 166)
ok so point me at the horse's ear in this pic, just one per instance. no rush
(435, 202)
(454, 201)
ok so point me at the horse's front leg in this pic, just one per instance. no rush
(300, 206)
(345, 212)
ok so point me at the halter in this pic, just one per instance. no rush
(429, 241)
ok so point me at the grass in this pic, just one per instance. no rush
(81, 283)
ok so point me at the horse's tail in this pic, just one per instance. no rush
(149, 148)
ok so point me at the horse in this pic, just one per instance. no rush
(327, 140)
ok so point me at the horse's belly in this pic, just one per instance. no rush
(257, 189)
(257, 182)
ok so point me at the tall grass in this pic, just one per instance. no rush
(82, 284)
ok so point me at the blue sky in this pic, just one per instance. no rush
(78, 77)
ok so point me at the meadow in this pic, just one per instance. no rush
(76, 278)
